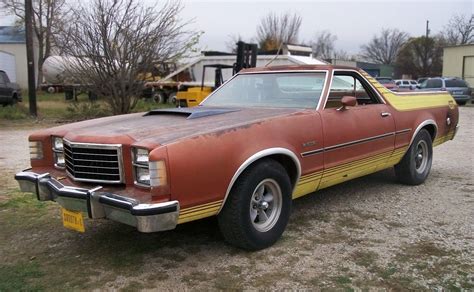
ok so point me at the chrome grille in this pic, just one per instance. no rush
(93, 162)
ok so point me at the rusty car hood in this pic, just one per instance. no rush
(165, 126)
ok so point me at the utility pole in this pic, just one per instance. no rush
(427, 28)
(30, 57)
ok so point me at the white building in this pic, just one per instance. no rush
(13, 54)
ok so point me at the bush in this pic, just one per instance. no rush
(85, 111)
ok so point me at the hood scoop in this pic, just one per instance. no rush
(191, 112)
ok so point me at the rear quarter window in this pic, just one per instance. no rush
(455, 83)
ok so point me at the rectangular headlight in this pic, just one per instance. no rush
(58, 151)
(36, 150)
(58, 143)
(141, 171)
(142, 175)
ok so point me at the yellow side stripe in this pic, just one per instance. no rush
(204, 211)
(200, 208)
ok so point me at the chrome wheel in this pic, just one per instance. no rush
(265, 205)
(421, 156)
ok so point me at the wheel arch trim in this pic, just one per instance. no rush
(257, 156)
(421, 126)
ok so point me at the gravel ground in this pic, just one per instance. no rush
(367, 233)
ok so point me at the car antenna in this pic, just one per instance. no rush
(274, 58)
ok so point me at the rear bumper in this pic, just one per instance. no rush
(461, 97)
(96, 204)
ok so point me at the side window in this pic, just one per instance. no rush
(434, 83)
(349, 84)
(2, 80)
(5, 77)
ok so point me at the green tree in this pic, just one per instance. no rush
(421, 56)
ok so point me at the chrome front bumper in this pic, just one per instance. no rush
(145, 217)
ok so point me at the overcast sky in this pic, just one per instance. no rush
(354, 22)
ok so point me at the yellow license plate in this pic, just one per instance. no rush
(73, 220)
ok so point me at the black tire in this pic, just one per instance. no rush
(413, 169)
(235, 220)
(14, 100)
(159, 97)
(461, 102)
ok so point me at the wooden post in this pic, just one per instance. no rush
(30, 57)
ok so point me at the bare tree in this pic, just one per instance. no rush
(384, 48)
(459, 30)
(114, 43)
(274, 30)
(323, 45)
(48, 16)
(231, 43)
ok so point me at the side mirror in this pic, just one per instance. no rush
(348, 101)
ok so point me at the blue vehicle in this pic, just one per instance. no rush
(457, 87)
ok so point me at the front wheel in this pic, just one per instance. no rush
(258, 207)
(416, 164)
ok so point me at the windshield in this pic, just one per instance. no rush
(285, 90)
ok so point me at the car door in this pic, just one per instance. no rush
(356, 139)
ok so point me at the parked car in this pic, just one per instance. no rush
(388, 82)
(457, 87)
(406, 84)
(267, 136)
(10, 92)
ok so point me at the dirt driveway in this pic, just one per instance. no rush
(367, 233)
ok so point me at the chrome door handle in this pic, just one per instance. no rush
(384, 114)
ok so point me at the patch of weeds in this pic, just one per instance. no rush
(14, 112)
(19, 200)
(364, 258)
(342, 280)
(18, 277)
(424, 249)
(384, 272)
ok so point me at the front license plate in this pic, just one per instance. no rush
(73, 220)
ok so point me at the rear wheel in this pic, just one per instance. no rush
(14, 99)
(258, 207)
(416, 164)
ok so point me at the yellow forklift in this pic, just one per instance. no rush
(192, 96)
